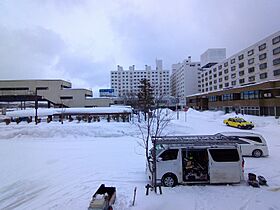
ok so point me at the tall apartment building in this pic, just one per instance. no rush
(257, 63)
(126, 82)
(247, 82)
(185, 79)
(212, 56)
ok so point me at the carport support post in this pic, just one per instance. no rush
(154, 166)
(36, 107)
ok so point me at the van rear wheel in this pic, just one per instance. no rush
(169, 180)
(257, 153)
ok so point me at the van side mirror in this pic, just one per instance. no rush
(159, 159)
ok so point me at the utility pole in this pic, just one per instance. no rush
(154, 165)
(36, 107)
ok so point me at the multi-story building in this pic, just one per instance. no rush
(247, 82)
(212, 56)
(185, 79)
(126, 82)
(257, 63)
(57, 93)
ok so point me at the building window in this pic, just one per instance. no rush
(249, 95)
(233, 68)
(241, 73)
(220, 79)
(215, 75)
(276, 72)
(251, 79)
(262, 56)
(226, 77)
(276, 61)
(251, 70)
(263, 75)
(276, 40)
(232, 61)
(251, 61)
(250, 52)
(241, 81)
(212, 98)
(263, 66)
(220, 86)
(226, 64)
(233, 75)
(220, 73)
(241, 65)
(276, 51)
(220, 67)
(66, 97)
(227, 97)
(215, 81)
(233, 83)
(226, 71)
(240, 57)
(215, 69)
(262, 47)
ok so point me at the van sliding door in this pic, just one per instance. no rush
(224, 166)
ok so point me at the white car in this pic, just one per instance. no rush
(254, 144)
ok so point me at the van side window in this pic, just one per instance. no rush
(253, 138)
(224, 155)
(170, 154)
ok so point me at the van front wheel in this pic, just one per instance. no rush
(257, 153)
(169, 180)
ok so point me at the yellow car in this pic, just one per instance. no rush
(238, 122)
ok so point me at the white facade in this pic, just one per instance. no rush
(126, 82)
(257, 63)
(212, 56)
(185, 78)
(57, 92)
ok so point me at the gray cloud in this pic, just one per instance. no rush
(82, 41)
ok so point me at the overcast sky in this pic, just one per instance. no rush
(83, 40)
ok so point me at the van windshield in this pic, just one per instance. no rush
(159, 148)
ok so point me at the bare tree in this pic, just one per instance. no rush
(157, 121)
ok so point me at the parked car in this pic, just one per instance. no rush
(238, 122)
(209, 159)
(252, 144)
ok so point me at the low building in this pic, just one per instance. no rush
(46, 93)
(257, 99)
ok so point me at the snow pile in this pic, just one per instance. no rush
(59, 166)
(73, 130)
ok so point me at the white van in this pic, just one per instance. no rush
(203, 162)
(252, 144)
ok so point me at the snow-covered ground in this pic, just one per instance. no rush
(59, 166)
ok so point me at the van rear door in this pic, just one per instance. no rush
(224, 165)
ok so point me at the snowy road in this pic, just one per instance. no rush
(54, 166)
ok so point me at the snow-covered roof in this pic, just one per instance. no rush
(58, 111)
